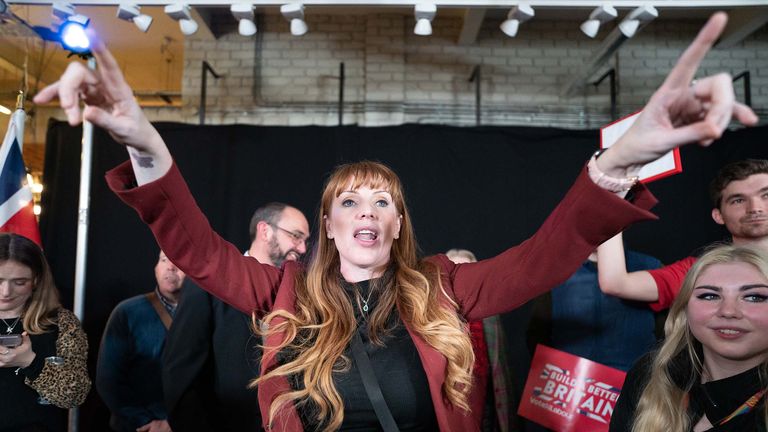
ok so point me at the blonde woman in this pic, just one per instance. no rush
(365, 289)
(711, 373)
(43, 349)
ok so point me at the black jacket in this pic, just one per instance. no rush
(210, 357)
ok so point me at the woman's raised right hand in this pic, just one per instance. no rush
(110, 104)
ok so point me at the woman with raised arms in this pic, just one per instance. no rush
(365, 282)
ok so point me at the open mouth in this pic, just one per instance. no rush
(366, 235)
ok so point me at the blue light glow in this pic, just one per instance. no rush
(73, 37)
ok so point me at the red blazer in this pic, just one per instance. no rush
(587, 216)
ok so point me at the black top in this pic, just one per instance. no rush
(21, 407)
(210, 357)
(399, 371)
(717, 399)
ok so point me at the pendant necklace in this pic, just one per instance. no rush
(365, 301)
(9, 327)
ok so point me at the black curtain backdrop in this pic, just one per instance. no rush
(483, 189)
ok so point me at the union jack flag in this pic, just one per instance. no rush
(16, 204)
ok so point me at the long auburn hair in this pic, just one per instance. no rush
(324, 322)
(663, 403)
(41, 308)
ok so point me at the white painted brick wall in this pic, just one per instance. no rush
(393, 76)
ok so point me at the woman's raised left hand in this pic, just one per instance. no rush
(681, 111)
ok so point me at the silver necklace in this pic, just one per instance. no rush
(9, 327)
(365, 301)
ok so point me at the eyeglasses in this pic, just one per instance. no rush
(297, 237)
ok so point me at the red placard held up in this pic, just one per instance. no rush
(665, 166)
(567, 393)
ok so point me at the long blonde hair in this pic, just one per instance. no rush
(323, 324)
(663, 404)
(41, 308)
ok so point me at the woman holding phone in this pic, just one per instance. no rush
(43, 349)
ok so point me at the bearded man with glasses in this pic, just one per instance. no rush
(211, 353)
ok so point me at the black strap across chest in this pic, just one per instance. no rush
(371, 385)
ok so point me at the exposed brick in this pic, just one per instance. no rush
(305, 63)
(387, 65)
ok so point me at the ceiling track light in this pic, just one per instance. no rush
(640, 16)
(182, 13)
(424, 14)
(518, 15)
(70, 33)
(294, 12)
(131, 12)
(243, 13)
(143, 22)
(62, 10)
(601, 15)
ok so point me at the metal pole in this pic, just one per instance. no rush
(476, 77)
(81, 253)
(612, 75)
(612, 82)
(203, 85)
(341, 93)
(747, 87)
(206, 68)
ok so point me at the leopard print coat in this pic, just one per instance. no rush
(66, 385)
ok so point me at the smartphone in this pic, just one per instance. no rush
(11, 340)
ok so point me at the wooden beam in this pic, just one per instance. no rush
(8, 66)
(470, 27)
(203, 18)
(592, 65)
(742, 23)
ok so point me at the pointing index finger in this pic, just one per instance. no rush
(685, 69)
(104, 58)
(109, 69)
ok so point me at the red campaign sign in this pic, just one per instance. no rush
(665, 166)
(567, 393)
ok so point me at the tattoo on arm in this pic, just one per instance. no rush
(143, 161)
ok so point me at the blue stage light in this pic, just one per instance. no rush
(72, 34)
